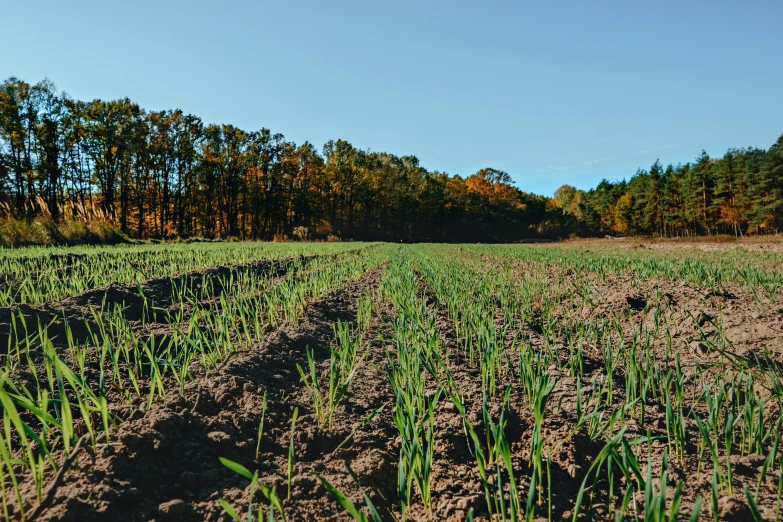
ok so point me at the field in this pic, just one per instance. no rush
(338, 381)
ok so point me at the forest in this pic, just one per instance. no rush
(168, 174)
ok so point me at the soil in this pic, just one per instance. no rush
(716, 331)
(150, 301)
(706, 244)
(163, 463)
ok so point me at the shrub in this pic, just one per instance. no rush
(15, 232)
(303, 233)
(323, 228)
(45, 231)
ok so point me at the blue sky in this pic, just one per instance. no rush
(552, 92)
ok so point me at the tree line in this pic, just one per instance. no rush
(168, 174)
(737, 194)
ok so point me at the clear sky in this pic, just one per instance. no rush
(551, 91)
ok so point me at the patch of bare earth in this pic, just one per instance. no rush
(715, 334)
(162, 464)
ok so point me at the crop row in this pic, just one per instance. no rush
(36, 275)
(53, 399)
(532, 324)
(647, 413)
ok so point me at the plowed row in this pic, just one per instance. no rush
(483, 323)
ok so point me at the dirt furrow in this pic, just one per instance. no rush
(456, 483)
(162, 464)
(149, 300)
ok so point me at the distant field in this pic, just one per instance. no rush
(40, 274)
(586, 380)
(709, 243)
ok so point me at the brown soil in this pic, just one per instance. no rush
(716, 331)
(704, 243)
(149, 300)
(162, 464)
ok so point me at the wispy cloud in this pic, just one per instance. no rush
(592, 165)
(654, 149)
(558, 168)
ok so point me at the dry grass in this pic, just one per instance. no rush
(76, 225)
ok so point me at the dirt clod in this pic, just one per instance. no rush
(731, 509)
(174, 509)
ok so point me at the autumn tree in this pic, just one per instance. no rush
(166, 174)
